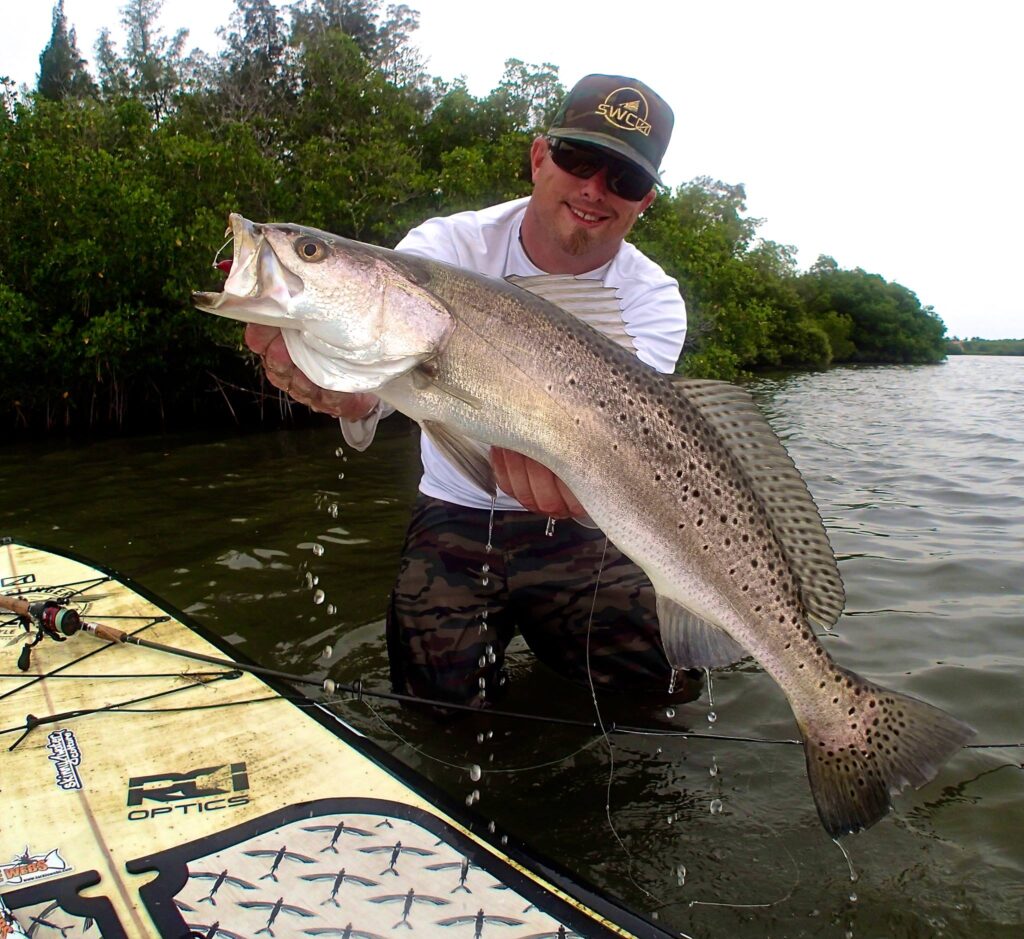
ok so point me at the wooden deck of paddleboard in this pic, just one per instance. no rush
(149, 795)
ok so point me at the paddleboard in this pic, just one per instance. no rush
(148, 795)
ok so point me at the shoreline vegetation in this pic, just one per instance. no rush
(119, 178)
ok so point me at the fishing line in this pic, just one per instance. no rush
(461, 766)
(630, 860)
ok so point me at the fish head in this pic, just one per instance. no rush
(353, 316)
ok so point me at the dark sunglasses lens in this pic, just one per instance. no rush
(581, 163)
(630, 184)
(624, 181)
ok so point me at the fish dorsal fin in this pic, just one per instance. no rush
(691, 642)
(587, 300)
(777, 482)
(468, 456)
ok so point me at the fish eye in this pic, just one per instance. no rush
(311, 249)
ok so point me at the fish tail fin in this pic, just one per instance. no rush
(882, 742)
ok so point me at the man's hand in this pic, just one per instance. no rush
(534, 485)
(268, 343)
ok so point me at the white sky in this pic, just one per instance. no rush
(886, 133)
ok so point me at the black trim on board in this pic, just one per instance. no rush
(64, 891)
(556, 874)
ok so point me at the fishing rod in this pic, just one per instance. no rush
(60, 622)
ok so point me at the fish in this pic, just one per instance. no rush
(684, 476)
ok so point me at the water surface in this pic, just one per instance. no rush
(919, 474)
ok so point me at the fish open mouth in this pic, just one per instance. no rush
(259, 288)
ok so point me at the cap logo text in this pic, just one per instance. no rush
(626, 109)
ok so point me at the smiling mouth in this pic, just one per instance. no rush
(588, 217)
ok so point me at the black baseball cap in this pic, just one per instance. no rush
(619, 114)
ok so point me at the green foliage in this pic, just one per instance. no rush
(985, 347)
(62, 72)
(118, 192)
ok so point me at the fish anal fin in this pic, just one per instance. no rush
(691, 642)
(472, 459)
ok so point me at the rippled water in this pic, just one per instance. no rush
(919, 473)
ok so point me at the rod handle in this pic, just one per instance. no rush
(102, 631)
(14, 605)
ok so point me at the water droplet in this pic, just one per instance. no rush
(657, 752)
(328, 652)
(491, 827)
(853, 897)
(550, 529)
(480, 737)
(490, 734)
(341, 475)
(681, 874)
(715, 807)
(316, 580)
(671, 819)
(492, 657)
(318, 597)
(475, 773)
(504, 839)
(486, 568)
(670, 713)
(339, 452)
(483, 682)
(309, 580)
(318, 549)
(713, 769)
(331, 609)
(332, 510)
(712, 717)
(482, 662)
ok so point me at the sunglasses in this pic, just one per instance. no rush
(623, 180)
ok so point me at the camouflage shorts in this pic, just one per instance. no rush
(456, 606)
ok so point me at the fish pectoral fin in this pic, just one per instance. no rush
(470, 458)
(691, 642)
(423, 377)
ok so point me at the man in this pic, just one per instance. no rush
(473, 572)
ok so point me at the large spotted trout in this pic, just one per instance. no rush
(684, 476)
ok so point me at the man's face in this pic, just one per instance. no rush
(583, 218)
